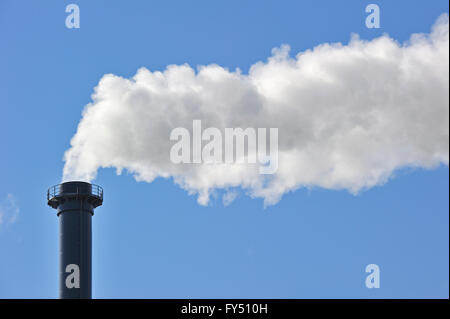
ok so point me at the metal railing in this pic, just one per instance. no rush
(57, 190)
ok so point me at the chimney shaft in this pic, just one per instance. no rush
(75, 203)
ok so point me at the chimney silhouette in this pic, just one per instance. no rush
(75, 203)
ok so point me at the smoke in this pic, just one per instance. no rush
(348, 117)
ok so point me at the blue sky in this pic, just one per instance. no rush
(153, 240)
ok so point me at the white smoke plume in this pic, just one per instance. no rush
(348, 117)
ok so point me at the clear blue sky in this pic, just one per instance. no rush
(154, 240)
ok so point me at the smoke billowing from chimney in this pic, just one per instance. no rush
(348, 116)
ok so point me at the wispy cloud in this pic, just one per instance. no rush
(229, 197)
(9, 210)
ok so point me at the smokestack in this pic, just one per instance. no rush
(75, 203)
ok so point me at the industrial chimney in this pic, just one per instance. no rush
(75, 203)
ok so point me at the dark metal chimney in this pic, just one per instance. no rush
(75, 203)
